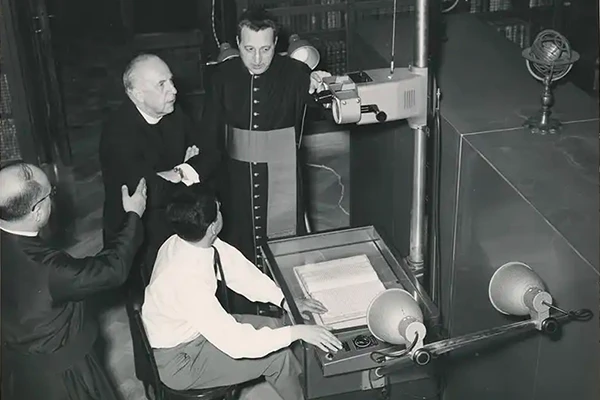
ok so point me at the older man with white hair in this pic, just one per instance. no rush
(150, 137)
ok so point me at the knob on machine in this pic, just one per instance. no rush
(355, 355)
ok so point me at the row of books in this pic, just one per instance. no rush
(482, 6)
(515, 30)
(312, 24)
(478, 6)
(297, 22)
(335, 57)
(5, 99)
(541, 3)
(9, 146)
(384, 12)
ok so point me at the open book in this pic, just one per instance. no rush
(345, 287)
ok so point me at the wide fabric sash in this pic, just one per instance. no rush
(261, 146)
(276, 148)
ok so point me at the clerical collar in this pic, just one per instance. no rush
(19, 233)
(149, 119)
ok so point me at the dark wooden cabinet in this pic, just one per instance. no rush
(33, 118)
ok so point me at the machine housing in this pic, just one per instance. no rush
(379, 95)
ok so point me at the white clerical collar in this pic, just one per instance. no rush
(19, 233)
(149, 119)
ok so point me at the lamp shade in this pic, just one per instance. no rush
(302, 50)
(226, 52)
(516, 290)
(395, 317)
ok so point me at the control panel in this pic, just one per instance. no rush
(355, 354)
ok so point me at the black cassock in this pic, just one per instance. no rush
(251, 117)
(131, 148)
(47, 331)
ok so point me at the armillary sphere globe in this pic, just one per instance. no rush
(549, 59)
(550, 55)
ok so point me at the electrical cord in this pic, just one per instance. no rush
(380, 356)
(213, 24)
(340, 184)
(434, 245)
(582, 315)
(452, 7)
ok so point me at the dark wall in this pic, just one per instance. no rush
(105, 18)
(85, 17)
(165, 16)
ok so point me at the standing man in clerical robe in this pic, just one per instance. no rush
(149, 137)
(256, 106)
(48, 333)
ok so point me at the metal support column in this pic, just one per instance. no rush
(421, 55)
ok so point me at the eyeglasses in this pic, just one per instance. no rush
(50, 194)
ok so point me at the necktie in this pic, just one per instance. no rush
(221, 286)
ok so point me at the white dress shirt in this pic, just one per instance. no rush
(180, 302)
(190, 176)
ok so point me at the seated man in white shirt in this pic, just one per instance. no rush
(196, 343)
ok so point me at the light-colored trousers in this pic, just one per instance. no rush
(200, 365)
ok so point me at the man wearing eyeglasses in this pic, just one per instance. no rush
(47, 333)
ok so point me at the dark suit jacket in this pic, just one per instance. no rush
(46, 327)
(130, 149)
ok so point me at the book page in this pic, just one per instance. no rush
(335, 273)
(345, 286)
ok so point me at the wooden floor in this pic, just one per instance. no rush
(90, 71)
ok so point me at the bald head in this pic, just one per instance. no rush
(138, 68)
(149, 84)
(22, 185)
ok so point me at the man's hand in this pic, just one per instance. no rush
(191, 152)
(316, 81)
(317, 336)
(137, 202)
(306, 306)
(171, 175)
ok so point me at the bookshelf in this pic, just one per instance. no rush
(519, 22)
(9, 146)
(329, 24)
(324, 23)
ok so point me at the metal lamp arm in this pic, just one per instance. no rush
(424, 354)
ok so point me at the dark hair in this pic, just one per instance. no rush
(257, 19)
(18, 206)
(191, 211)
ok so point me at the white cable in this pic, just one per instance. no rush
(339, 178)
(393, 38)
(214, 29)
(452, 7)
(307, 223)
